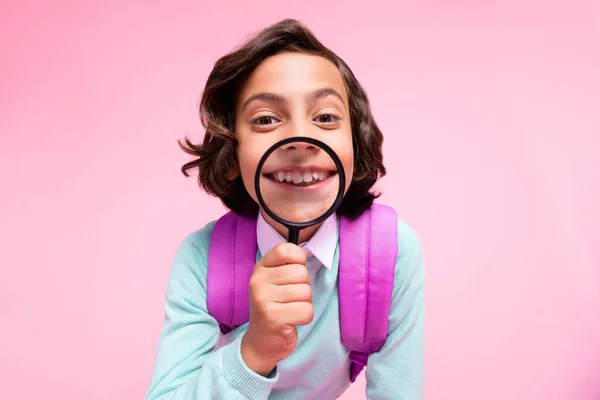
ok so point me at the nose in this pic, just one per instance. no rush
(299, 146)
(297, 129)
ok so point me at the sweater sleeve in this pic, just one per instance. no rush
(396, 371)
(187, 364)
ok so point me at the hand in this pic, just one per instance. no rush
(280, 300)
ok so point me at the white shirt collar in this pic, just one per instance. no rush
(322, 245)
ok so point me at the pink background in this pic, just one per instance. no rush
(491, 112)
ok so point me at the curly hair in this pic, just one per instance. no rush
(216, 155)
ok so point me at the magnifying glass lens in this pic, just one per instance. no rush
(300, 182)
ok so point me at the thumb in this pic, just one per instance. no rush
(282, 254)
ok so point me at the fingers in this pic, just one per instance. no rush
(284, 253)
(288, 274)
(265, 279)
(299, 292)
(294, 314)
(268, 293)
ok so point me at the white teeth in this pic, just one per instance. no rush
(298, 178)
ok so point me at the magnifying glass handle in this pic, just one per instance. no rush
(293, 236)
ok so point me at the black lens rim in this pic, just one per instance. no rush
(341, 177)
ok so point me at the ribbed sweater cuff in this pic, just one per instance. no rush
(243, 379)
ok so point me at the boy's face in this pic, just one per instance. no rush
(287, 95)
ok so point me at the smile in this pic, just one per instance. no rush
(304, 177)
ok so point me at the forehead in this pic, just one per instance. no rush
(292, 75)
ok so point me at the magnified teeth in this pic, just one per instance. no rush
(298, 177)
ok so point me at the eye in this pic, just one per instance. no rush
(327, 119)
(264, 120)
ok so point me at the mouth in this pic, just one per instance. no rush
(300, 177)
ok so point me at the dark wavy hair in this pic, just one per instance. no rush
(216, 156)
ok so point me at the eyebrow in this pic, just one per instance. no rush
(275, 98)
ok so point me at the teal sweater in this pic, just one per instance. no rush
(194, 361)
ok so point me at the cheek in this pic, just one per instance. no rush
(347, 158)
(248, 163)
(349, 168)
(342, 145)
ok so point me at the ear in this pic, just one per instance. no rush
(232, 173)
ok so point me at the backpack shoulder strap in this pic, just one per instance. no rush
(368, 251)
(231, 258)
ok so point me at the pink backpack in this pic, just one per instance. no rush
(367, 253)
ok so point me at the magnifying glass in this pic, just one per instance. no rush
(299, 182)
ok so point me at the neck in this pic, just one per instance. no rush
(305, 234)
